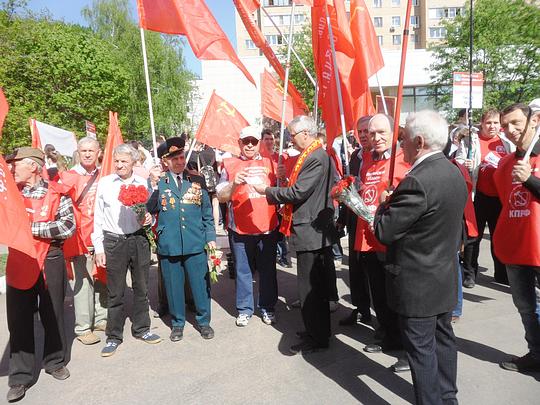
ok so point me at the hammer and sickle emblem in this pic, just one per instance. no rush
(223, 106)
(279, 88)
(360, 8)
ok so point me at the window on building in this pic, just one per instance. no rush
(414, 38)
(380, 39)
(299, 18)
(396, 39)
(437, 32)
(274, 39)
(441, 12)
(271, 3)
(395, 3)
(250, 44)
(396, 21)
(415, 20)
(377, 22)
(377, 3)
(414, 2)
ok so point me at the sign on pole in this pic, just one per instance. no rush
(460, 93)
(90, 129)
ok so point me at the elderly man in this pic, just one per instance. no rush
(120, 243)
(41, 282)
(421, 225)
(374, 177)
(89, 293)
(185, 227)
(308, 219)
(253, 225)
(516, 237)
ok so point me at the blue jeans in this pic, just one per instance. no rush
(522, 279)
(255, 252)
(458, 310)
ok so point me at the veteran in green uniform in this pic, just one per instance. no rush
(185, 226)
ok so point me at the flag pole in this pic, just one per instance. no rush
(470, 109)
(306, 71)
(338, 86)
(316, 104)
(147, 77)
(190, 151)
(399, 93)
(286, 85)
(382, 94)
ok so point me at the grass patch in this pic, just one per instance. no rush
(3, 260)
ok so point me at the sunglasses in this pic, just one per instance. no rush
(247, 141)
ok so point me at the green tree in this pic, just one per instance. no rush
(506, 49)
(58, 73)
(303, 46)
(171, 83)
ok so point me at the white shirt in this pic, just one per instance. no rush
(109, 214)
(422, 158)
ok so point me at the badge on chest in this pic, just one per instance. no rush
(193, 195)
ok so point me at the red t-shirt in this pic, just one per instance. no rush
(492, 150)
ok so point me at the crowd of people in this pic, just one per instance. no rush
(408, 265)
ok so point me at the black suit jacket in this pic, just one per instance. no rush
(421, 225)
(313, 212)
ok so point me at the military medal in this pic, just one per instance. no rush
(163, 203)
(172, 201)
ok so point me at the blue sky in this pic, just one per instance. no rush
(70, 11)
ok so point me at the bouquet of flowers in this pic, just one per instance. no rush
(135, 197)
(215, 264)
(345, 192)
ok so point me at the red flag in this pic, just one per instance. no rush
(4, 107)
(272, 99)
(356, 100)
(193, 19)
(16, 232)
(221, 125)
(36, 142)
(244, 11)
(368, 50)
(114, 138)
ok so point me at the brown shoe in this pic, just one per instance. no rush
(100, 327)
(89, 338)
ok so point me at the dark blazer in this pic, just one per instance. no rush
(185, 221)
(421, 225)
(313, 213)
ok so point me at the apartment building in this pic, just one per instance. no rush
(388, 19)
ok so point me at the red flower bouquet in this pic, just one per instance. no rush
(135, 197)
(345, 192)
(215, 265)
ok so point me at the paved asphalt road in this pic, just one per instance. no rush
(251, 365)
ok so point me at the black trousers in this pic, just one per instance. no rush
(313, 268)
(431, 349)
(487, 210)
(131, 252)
(47, 295)
(387, 318)
(358, 280)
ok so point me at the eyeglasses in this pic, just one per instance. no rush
(299, 132)
(250, 140)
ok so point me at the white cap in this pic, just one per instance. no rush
(251, 132)
(535, 105)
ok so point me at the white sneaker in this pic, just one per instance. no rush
(334, 305)
(242, 319)
(268, 317)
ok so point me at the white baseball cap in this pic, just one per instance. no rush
(251, 132)
(535, 105)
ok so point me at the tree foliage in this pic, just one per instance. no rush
(506, 49)
(171, 83)
(58, 73)
(302, 46)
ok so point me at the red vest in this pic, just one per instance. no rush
(470, 216)
(517, 235)
(374, 176)
(22, 271)
(252, 213)
(492, 150)
(84, 213)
